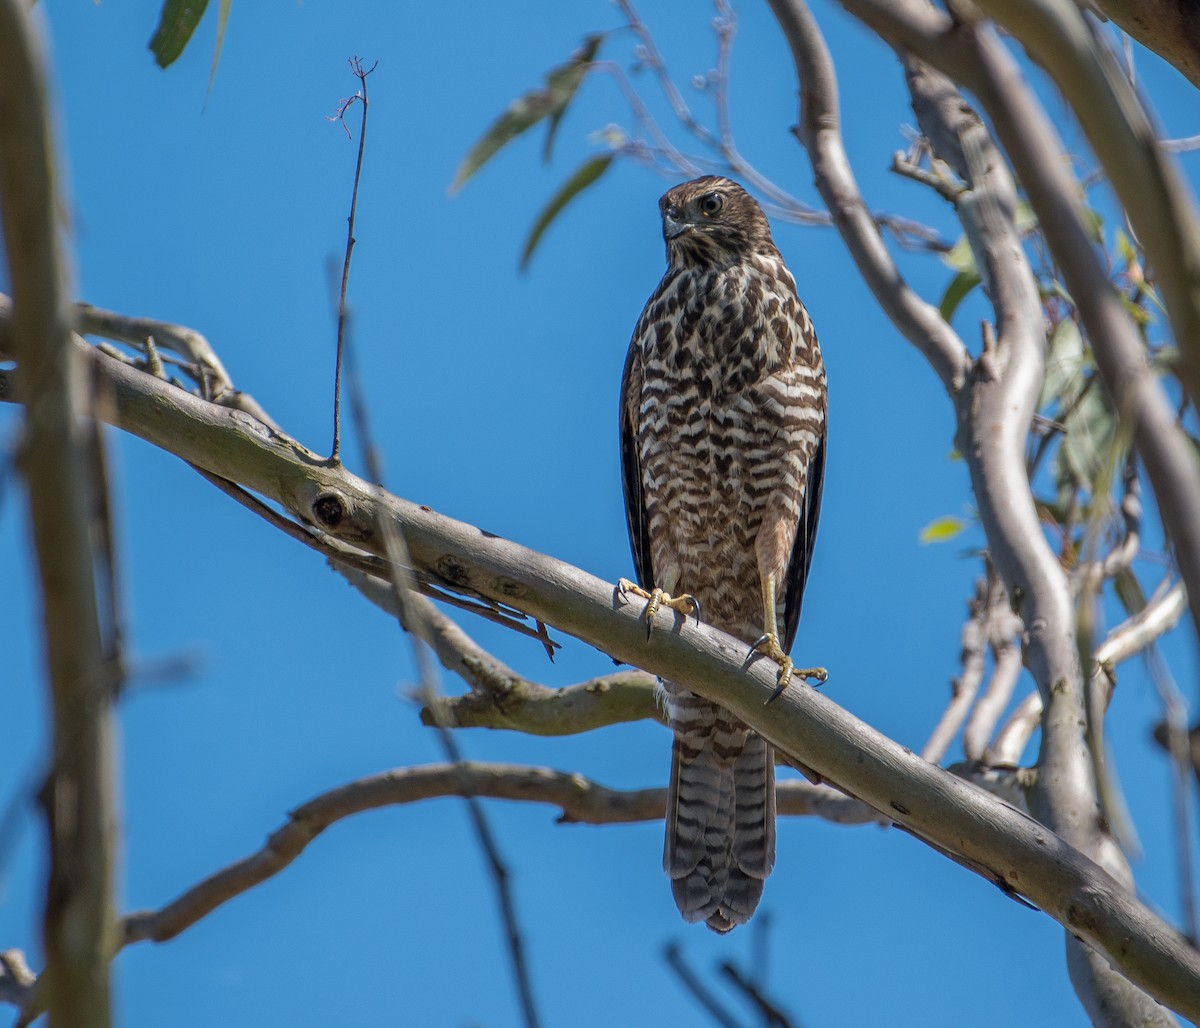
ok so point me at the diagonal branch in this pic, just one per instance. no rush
(1146, 178)
(1004, 845)
(820, 132)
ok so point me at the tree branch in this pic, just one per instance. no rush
(820, 132)
(973, 56)
(60, 462)
(1168, 27)
(998, 842)
(1146, 178)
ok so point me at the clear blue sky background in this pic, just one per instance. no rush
(494, 396)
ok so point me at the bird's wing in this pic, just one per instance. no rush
(806, 538)
(631, 467)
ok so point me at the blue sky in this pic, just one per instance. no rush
(493, 395)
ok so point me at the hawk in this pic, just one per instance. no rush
(723, 415)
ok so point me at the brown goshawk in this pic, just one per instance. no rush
(723, 423)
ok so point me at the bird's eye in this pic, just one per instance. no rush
(710, 203)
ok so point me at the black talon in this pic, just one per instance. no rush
(778, 691)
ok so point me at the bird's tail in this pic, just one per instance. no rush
(720, 843)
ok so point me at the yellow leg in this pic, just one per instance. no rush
(682, 604)
(768, 645)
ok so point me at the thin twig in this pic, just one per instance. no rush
(971, 658)
(778, 203)
(772, 1015)
(693, 983)
(1178, 745)
(404, 588)
(356, 67)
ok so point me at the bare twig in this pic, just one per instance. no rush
(148, 334)
(694, 984)
(971, 656)
(1161, 613)
(771, 1014)
(361, 96)
(1132, 636)
(1178, 745)
(1011, 740)
(367, 572)
(410, 618)
(1004, 637)
(777, 202)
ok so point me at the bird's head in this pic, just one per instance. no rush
(712, 221)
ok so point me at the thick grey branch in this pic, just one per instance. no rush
(1006, 846)
(59, 460)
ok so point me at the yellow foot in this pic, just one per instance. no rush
(769, 646)
(683, 604)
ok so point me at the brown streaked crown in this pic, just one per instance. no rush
(713, 221)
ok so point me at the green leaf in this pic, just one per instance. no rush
(1089, 447)
(958, 289)
(1093, 221)
(1129, 591)
(943, 529)
(1064, 364)
(585, 175)
(565, 82)
(960, 256)
(1053, 289)
(176, 24)
(222, 21)
(562, 83)
(1126, 248)
(1026, 220)
(1136, 311)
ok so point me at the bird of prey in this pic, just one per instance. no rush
(723, 417)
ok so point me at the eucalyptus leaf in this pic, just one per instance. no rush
(959, 288)
(222, 22)
(176, 23)
(1091, 433)
(943, 529)
(564, 83)
(1064, 365)
(585, 175)
(551, 101)
(960, 256)
(1129, 591)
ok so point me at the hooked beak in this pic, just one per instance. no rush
(673, 226)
